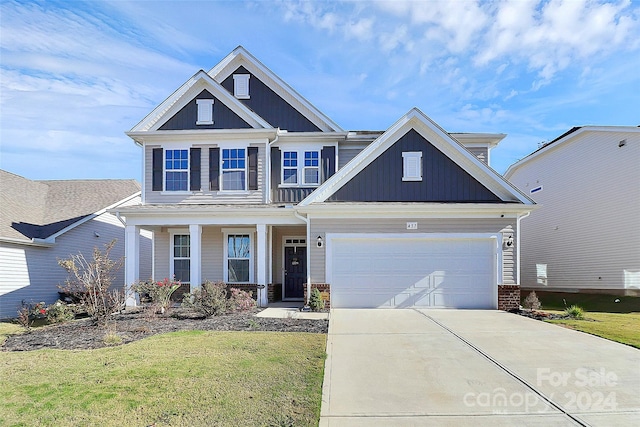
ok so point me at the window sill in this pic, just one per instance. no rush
(411, 179)
(204, 123)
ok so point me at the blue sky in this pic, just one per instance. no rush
(76, 75)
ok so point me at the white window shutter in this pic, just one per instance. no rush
(241, 86)
(205, 111)
(412, 166)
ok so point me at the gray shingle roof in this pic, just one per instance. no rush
(39, 209)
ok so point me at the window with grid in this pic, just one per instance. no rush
(289, 167)
(176, 170)
(311, 170)
(181, 257)
(234, 169)
(238, 258)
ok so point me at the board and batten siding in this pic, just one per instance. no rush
(204, 196)
(44, 274)
(587, 229)
(320, 227)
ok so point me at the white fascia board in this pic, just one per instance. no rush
(231, 217)
(328, 137)
(241, 57)
(185, 93)
(31, 242)
(488, 140)
(562, 142)
(415, 210)
(204, 135)
(418, 121)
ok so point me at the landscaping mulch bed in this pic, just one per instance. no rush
(539, 315)
(133, 325)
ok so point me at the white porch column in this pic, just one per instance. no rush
(195, 273)
(261, 253)
(131, 261)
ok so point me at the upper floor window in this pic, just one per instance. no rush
(241, 86)
(311, 167)
(234, 169)
(290, 167)
(412, 166)
(176, 170)
(205, 111)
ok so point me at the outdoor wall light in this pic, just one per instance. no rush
(509, 241)
(319, 241)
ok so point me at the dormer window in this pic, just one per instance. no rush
(412, 166)
(205, 111)
(241, 86)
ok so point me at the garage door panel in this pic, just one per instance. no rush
(412, 272)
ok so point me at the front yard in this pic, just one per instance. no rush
(616, 318)
(188, 378)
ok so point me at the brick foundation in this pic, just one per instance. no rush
(325, 291)
(508, 297)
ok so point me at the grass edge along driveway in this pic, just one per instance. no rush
(192, 378)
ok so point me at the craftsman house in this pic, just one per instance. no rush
(247, 183)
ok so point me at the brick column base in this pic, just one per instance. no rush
(325, 291)
(508, 297)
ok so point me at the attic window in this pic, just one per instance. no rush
(241, 86)
(205, 111)
(412, 166)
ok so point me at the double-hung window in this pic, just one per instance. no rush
(234, 169)
(176, 170)
(289, 167)
(238, 258)
(181, 256)
(311, 172)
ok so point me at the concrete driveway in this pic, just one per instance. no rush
(473, 367)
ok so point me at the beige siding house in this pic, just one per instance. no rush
(253, 186)
(586, 234)
(43, 221)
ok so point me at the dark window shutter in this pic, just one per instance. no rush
(252, 153)
(194, 169)
(275, 167)
(328, 162)
(156, 177)
(214, 169)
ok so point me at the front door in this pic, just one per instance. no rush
(295, 272)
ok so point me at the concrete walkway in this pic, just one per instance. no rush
(287, 311)
(473, 367)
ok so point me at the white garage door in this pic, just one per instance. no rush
(366, 272)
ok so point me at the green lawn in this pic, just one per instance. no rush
(7, 329)
(191, 378)
(616, 321)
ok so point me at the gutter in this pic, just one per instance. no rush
(306, 220)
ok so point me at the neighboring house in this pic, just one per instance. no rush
(246, 182)
(586, 235)
(43, 221)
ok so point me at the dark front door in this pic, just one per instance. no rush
(295, 272)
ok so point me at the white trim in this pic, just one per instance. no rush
(205, 111)
(294, 245)
(238, 231)
(245, 169)
(165, 170)
(496, 237)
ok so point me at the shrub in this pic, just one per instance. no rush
(209, 299)
(91, 280)
(159, 292)
(315, 300)
(59, 312)
(575, 312)
(24, 316)
(111, 337)
(241, 300)
(532, 302)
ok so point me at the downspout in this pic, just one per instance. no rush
(268, 161)
(520, 217)
(306, 220)
(120, 219)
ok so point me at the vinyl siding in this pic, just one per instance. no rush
(587, 230)
(45, 274)
(345, 155)
(481, 153)
(205, 196)
(319, 227)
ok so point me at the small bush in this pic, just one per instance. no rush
(59, 312)
(315, 300)
(209, 299)
(532, 302)
(24, 316)
(111, 337)
(575, 312)
(241, 300)
(159, 292)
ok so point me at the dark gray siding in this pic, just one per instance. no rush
(270, 106)
(443, 180)
(223, 117)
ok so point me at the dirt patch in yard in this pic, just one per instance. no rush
(133, 325)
